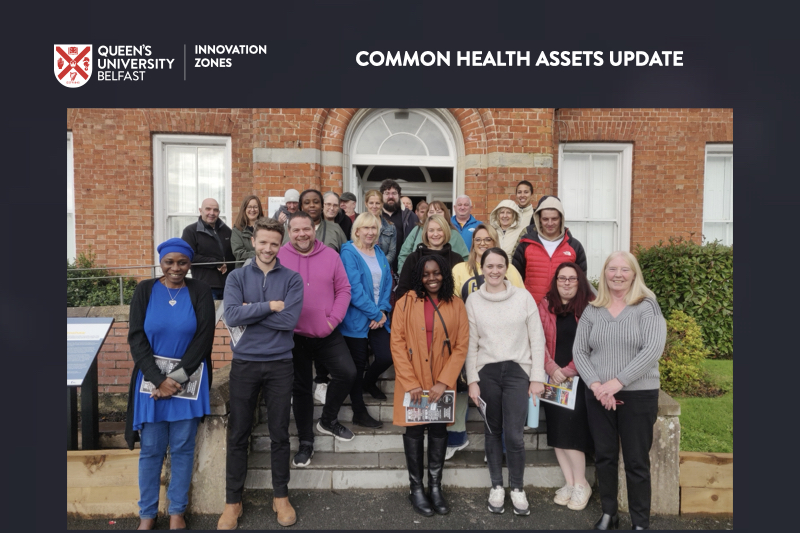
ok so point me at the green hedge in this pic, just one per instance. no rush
(92, 292)
(697, 280)
(681, 364)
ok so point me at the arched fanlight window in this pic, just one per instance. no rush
(393, 133)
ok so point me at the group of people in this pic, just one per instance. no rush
(492, 311)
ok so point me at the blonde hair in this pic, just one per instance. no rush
(439, 219)
(636, 293)
(364, 219)
(472, 260)
(370, 194)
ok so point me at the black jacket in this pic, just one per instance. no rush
(406, 282)
(345, 223)
(210, 245)
(199, 348)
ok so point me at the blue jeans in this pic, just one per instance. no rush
(155, 438)
(217, 294)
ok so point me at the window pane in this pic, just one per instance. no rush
(714, 191)
(433, 139)
(575, 185)
(70, 237)
(713, 231)
(603, 197)
(211, 175)
(403, 122)
(371, 139)
(598, 240)
(176, 224)
(403, 144)
(182, 193)
(718, 198)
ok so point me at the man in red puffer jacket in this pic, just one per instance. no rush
(546, 244)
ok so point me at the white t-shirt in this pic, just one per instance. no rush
(551, 246)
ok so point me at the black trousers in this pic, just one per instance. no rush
(504, 388)
(437, 431)
(274, 380)
(359, 349)
(632, 426)
(333, 353)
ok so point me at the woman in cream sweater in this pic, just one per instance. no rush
(505, 365)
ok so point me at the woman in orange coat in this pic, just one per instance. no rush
(430, 338)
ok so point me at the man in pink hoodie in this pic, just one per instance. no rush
(326, 298)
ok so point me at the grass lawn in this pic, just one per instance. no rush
(707, 423)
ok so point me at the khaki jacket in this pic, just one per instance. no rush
(414, 366)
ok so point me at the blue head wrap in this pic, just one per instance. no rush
(175, 245)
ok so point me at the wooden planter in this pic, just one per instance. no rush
(706, 483)
(105, 483)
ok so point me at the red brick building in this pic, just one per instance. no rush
(626, 176)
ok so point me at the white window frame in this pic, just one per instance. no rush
(449, 128)
(718, 149)
(160, 204)
(71, 238)
(622, 235)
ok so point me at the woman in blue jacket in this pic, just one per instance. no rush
(366, 323)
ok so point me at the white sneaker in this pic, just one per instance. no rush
(519, 501)
(320, 392)
(451, 450)
(497, 498)
(580, 497)
(563, 495)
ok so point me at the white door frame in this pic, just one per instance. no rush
(452, 133)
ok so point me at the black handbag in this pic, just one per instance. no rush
(461, 382)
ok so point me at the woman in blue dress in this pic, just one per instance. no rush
(171, 317)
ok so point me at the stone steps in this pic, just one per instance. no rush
(379, 409)
(375, 459)
(389, 438)
(374, 470)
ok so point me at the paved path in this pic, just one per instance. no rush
(389, 509)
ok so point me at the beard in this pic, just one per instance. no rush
(393, 207)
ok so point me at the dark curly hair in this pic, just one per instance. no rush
(447, 290)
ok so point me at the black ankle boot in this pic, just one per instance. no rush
(608, 521)
(437, 448)
(415, 458)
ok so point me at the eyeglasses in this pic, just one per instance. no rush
(563, 279)
(487, 240)
(252, 208)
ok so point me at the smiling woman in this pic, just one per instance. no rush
(173, 317)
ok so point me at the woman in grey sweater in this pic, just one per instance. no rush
(620, 338)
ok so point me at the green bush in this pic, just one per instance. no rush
(681, 364)
(697, 280)
(92, 292)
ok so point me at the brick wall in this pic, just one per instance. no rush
(668, 161)
(114, 363)
(114, 174)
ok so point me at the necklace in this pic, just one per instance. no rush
(172, 300)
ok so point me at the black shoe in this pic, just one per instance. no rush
(607, 521)
(338, 431)
(415, 457)
(437, 448)
(365, 420)
(304, 455)
(374, 391)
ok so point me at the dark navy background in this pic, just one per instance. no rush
(733, 57)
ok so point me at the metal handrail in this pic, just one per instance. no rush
(120, 277)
